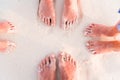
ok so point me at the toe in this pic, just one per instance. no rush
(53, 59)
(61, 57)
(44, 19)
(68, 25)
(89, 44)
(72, 60)
(65, 25)
(11, 46)
(68, 57)
(49, 21)
(53, 22)
(94, 52)
(46, 22)
(43, 63)
(47, 61)
(74, 63)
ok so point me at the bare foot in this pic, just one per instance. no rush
(67, 67)
(97, 30)
(6, 27)
(97, 47)
(6, 46)
(70, 13)
(47, 68)
(46, 12)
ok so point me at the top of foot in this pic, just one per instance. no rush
(47, 68)
(46, 12)
(6, 27)
(67, 66)
(70, 14)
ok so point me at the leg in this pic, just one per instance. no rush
(97, 47)
(46, 12)
(96, 30)
(70, 13)
(6, 27)
(67, 67)
(47, 68)
(6, 46)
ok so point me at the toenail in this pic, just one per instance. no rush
(40, 70)
(87, 44)
(93, 52)
(91, 49)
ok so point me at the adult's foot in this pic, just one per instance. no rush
(70, 13)
(67, 67)
(97, 30)
(47, 68)
(98, 47)
(6, 27)
(46, 12)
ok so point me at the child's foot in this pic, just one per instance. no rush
(70, 13)
(97, 30)
(97, 47)
(46, 12)
(6, 27)
(67, 67)
(6, 46)
(47, 68)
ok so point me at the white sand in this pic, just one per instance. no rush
(35, 40)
